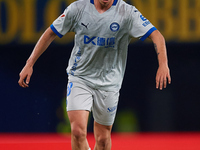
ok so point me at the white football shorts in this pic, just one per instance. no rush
(103, 104)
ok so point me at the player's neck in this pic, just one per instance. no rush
(103, 5)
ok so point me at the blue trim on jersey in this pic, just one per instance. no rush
(114, 3)
(92, 1)
(148, 33)
(55, 31)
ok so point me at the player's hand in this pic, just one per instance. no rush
(162, 77)
(25, 76)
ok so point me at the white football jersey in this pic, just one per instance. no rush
(101, 41)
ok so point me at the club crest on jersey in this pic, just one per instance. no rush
(114, 27)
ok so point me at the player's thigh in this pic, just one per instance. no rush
(78, 120)
(100, 129)
(79, 103)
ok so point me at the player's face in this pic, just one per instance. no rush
(106, 3)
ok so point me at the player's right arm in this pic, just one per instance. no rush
(42, 44)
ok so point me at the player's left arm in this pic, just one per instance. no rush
(163, 72)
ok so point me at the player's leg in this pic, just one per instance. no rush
(104, 111)
(102, 135)
(79, 103)
(78, 120)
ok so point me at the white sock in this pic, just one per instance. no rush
(89, 149)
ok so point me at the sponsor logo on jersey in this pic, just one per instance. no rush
(146, 23)
(111, 109)
(143, 18)
(114, 27)
(86, 26)
(77, 58)
(100, 41)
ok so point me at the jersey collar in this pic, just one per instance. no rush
(114, 3)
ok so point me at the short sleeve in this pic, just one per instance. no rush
(139, 26)
(65, 22)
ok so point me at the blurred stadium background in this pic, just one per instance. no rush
(142, 109)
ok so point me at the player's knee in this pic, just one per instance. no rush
(78, 133)
(103, 140)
